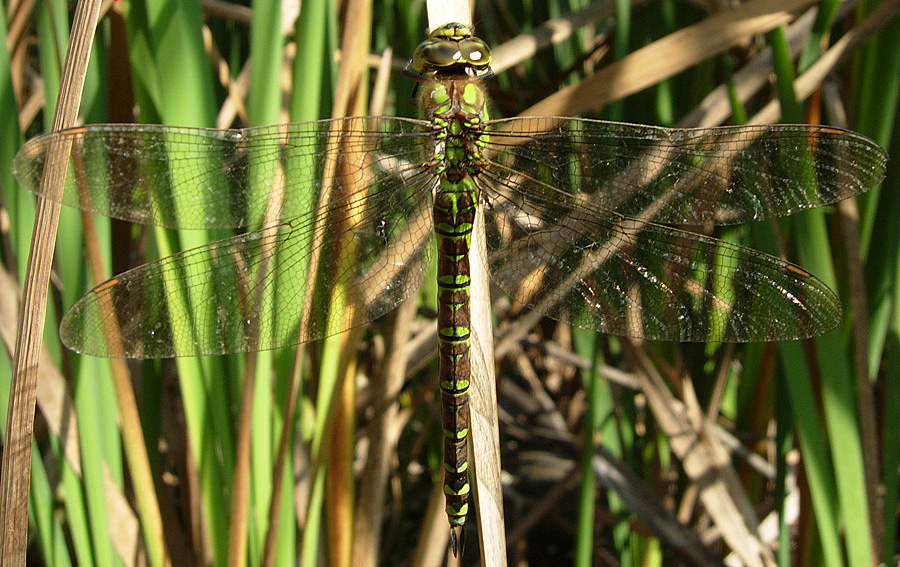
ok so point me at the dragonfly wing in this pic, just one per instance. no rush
(727, 175)
(600, 270)
(202, 178)
(284, 284)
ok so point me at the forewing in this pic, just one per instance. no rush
(203, 178)
(727, 175)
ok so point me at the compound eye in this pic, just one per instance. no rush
(440, 53)
(475, 52)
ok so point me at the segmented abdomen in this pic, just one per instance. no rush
(454, 218)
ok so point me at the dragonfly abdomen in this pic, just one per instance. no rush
(454, 219)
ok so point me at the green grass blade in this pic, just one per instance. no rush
(878, 92)
(890, 437)
(587, 345)
(877, 86)
(18, 204)
(882, 276)
(816, 457)
(51, 535)
(184, 95)
(838, 386)
(90, 428)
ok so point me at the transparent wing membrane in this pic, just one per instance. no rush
(199, 178)
(575, 206)
(359, 236)
(210, 300)
(340, 218)
(727, 175)
(620, 275)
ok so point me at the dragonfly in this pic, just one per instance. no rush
(339, 220)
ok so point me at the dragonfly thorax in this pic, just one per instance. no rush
(457, 111)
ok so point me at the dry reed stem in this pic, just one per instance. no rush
(669, 56)
(15, 476)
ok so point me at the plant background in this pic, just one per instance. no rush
(812, 428)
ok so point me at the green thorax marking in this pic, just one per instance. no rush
(457, 110)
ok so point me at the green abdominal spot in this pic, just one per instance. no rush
(462, 491)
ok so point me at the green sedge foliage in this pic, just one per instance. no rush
(797, 406)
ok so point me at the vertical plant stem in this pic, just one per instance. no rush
(16, 470)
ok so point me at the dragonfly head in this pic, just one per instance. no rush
(450, 51)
